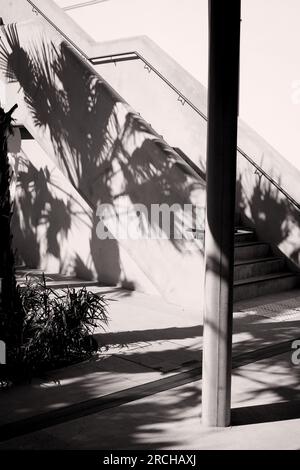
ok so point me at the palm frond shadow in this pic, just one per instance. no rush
(106, 150)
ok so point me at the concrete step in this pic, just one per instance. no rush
(245, 269)
(244, 235)
(251, 250)
(263, 285)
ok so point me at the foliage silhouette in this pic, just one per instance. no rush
(271, 215)
(106, 150)
(11, 312)
(58, 326)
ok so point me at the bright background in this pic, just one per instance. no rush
(270, 52)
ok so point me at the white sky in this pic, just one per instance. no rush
(270, 52)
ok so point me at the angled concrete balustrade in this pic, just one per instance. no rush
(101, 150)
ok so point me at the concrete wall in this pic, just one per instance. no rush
(96, 149)
(275, 219)
(269, 91)
(273, 216)
(270, 69)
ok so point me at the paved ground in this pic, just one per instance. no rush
(144, 390)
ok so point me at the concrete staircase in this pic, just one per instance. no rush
(258, 270)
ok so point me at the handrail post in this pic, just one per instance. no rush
(223, 87)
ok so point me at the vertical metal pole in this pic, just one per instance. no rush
(224, 41)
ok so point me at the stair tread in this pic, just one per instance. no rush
(240, 227)
(266, 277)
(241, 230)
(241, 262)
(250, 243)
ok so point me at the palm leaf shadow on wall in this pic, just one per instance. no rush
(270, 214)
(96, 137)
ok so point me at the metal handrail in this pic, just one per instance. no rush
(132, 55)
(36, 10)
(119, 57)
(269, 178)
